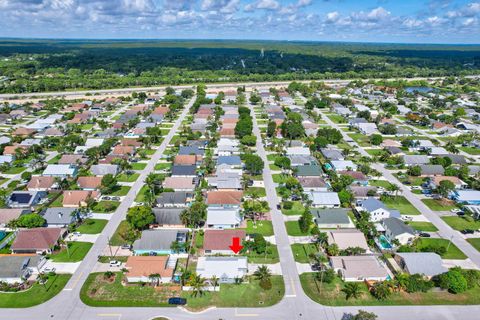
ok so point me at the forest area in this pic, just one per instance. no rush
(63, 65)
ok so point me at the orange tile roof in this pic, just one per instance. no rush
(143, 266)
(224, 197)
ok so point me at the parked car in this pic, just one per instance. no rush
(468, 231)
(460, 213)
(106, 198)
(116, 198)
(456, 210)
(77, 234)
(424, 235)
(115, 263)
(177, 301)
(126, 246)
(279, 206)
(416, 188)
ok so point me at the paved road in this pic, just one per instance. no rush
(445, 231)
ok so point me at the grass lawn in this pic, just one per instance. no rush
(270, 256)
(401, 204)
(302, 252)
(360, 138)
(78, 251)
(279, 178)
(460, 223)
(423, 226)
(117, 239)
(138, 166)
(263, 227)
(163, 166)
(475, 242)
(293, 229)
(336, 118)
(92, 226)
(259, 191)
(58, 202)
(141, 194)
(379, 183)
(452, 253)
(274, 167)
(54, 159)
(272, 157)
(87, 126)
(120, 191)
(438, 205)
(297, 209)
(470, 150)
(374, 152)
(199, 236)
(15, 170)
(330, 294)
(105, 206)
(36, 295)
(128, 177)
(100, 292)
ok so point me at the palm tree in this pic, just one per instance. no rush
(401, 281)
(197, 283)
(450, 146)
(154, 278)
(42, 279)
(262, 273)
(214, 282)
(352, 290)
(64, 244)
(392, 187)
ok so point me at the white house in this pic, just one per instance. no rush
(377, 209)
(323, 199)
(223, 218)
(226, 269)
(396, 229)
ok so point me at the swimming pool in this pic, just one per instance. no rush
(383, 243)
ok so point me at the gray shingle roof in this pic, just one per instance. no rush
(59, 215)
(330, 216)
(426, 263)
(160, 239)
(168, 215)
(397, 226)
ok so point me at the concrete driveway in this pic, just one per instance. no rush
(83, 237)
(61, 267)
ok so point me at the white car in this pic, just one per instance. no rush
(115, 263)
(416, 188)
(456, 210)
(49, 269)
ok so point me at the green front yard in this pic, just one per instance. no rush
(471, 150)
(92, 226)
(128, 177)
(119, 191)
(293, 229)
(297, 209)
(97, 291)
(263, 227)
(279, 178)
(105, 206)
(78, 250)
(36, 295)
(138, 166)
(439, 205)
(270, 256)
(401, 204)
(255, 191)
(423, 226)
(379, 183)
(117, 238)
(461, 223)
(302, 252)
(14, 170)
(453, 251)
(330, 294)
(163, 166)
(336, 118)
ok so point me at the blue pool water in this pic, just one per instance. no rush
(383, 242)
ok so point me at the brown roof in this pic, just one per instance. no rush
(178, 183)
(72, 159)
(77, 197)
(161, 110)
(89, 182)
(131, 142)
(111, 157)
(11, 149)
(6, 215)
(227, 131)
(23, 132)
(122, 150)
(40, 182)
(453, 179)
(36, 239)
(354, 174)
(143, 266)
(221, 239)
(312, 182)
(224, 197)
(229, 120)
(185, 159)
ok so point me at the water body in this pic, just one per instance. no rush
(420, 89)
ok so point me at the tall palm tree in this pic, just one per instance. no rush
(64, 244)
(392, 187)
(262, 273)
(214, 282)
(197, 283)
(352, 290)
(154, 278)
(42, 279)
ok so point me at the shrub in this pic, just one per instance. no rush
(288, 205)
(453, 280)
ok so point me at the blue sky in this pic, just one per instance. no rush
(441, 21)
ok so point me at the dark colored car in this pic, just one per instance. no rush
(467, 231)
(425, 235)
(177, 301)
(279, 207)
(460, 213)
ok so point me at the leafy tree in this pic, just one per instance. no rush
(195, 215)
(259, 244)
(255, 98)
(109, 183)
(453, 280)
(292, 127)
(140, 217)
(249, 140)
(332, 249)
(282, 162)
(376, 139)
(388, 129)
(253, 163)
(327, 275)
(305, 221)
(346, 197)
(414, 171)
(271, 129)
(197, 283)
(244, 127)
(31, 220)
(332, 135)
(364, 114)
(444, 188)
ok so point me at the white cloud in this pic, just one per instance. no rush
(223, 6)
(263, 4)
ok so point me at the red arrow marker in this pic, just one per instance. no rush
(236, 247)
